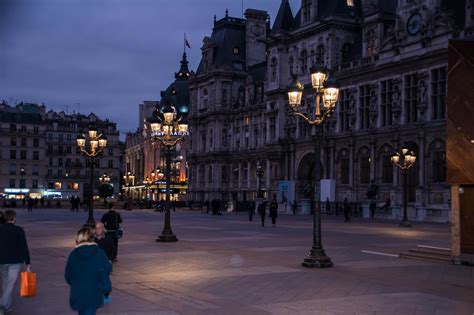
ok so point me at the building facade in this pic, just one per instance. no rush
(390, 58)
(144, 157)
(43, 160)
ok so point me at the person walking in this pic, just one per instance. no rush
(328, 206)
(112, 220)
(87, 273)
(251, 209)
(294, 207)
(14, 252)
(347, 209)
(30, 204)
(273, 209)
(104, 241)
(372, 207)
(262, 209)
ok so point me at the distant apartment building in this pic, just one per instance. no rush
(42, 159)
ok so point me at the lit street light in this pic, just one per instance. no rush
(92, 149)
(128, 180)
(327, 91)
(169, 127)
(404, 160)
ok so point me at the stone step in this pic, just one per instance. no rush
(428, 253)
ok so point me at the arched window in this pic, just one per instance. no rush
(273, 69)
(304, 61)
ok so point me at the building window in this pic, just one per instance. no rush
(411, 98)
(386, 103)
(346, 50)
(68, 150)
(36, 155)
(22, 183)
(50, 173)
(304, 62)
(35, 171)
(438, 93)
(12, 169)
(23, 128)
(111, 151)
(306, 9)
(35, 129)
(60, 161)
(439, 167)
(273, 69)
(60, 173)
(209, 174)
(61, 137)
(364, 118)
(23, 142)
(225, 175)
(13, 142)
(224, 97)
(370, 42)
(111, 164)
(35, 143)
(364, 170)
(320, 54)
(350, 3)
(344, 171)
(344, 110)
(60, 149)
(23, 154)
(211, 139)
(12, 183)
(272, 127)
(224, 138)
(13, 154)
(387, 169)
(68, 138)
(35, 183)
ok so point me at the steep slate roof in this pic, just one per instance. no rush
(284, 20)
(297, 19)
(228, 33)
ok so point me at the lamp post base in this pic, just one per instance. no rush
(167, 237)
(317, 259)
(405, 224)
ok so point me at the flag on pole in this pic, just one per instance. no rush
(186, 42)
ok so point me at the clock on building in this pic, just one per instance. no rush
(414, 24)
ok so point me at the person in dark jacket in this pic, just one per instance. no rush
(273, 210)
(112, 221)
(372, 208)
(347, 210)
(294, 207)
(87, 272)
(251, 209)
(2, 219)
(104, 241)
(262, 209)
(14, 252)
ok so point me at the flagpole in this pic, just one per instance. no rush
(184, 43)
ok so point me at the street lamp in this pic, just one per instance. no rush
(97, 144)
(404, 160)
(147, 182)
(128, 180)
(327, 91)
(168, 126)
(259, 175)
(104, 179)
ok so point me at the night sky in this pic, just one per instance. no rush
(103, 56)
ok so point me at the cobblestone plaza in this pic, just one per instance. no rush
(228, 265)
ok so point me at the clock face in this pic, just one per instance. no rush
(414, 24)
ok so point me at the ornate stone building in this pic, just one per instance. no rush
(391, 60)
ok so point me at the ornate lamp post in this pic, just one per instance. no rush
(404, 160)
(326, 91)
(147, 182)
(128, 180)
(169, 127)
(259, 175)
(104, 179)
(92, 149)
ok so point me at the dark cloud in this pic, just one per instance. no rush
(102, 56)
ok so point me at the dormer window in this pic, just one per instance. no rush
(236, 50)
(350, 3)
(173, 90)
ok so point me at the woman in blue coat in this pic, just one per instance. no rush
(87, 272)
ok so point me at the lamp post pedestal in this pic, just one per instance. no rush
(167, 234)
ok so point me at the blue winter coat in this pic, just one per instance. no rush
(87, 272)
